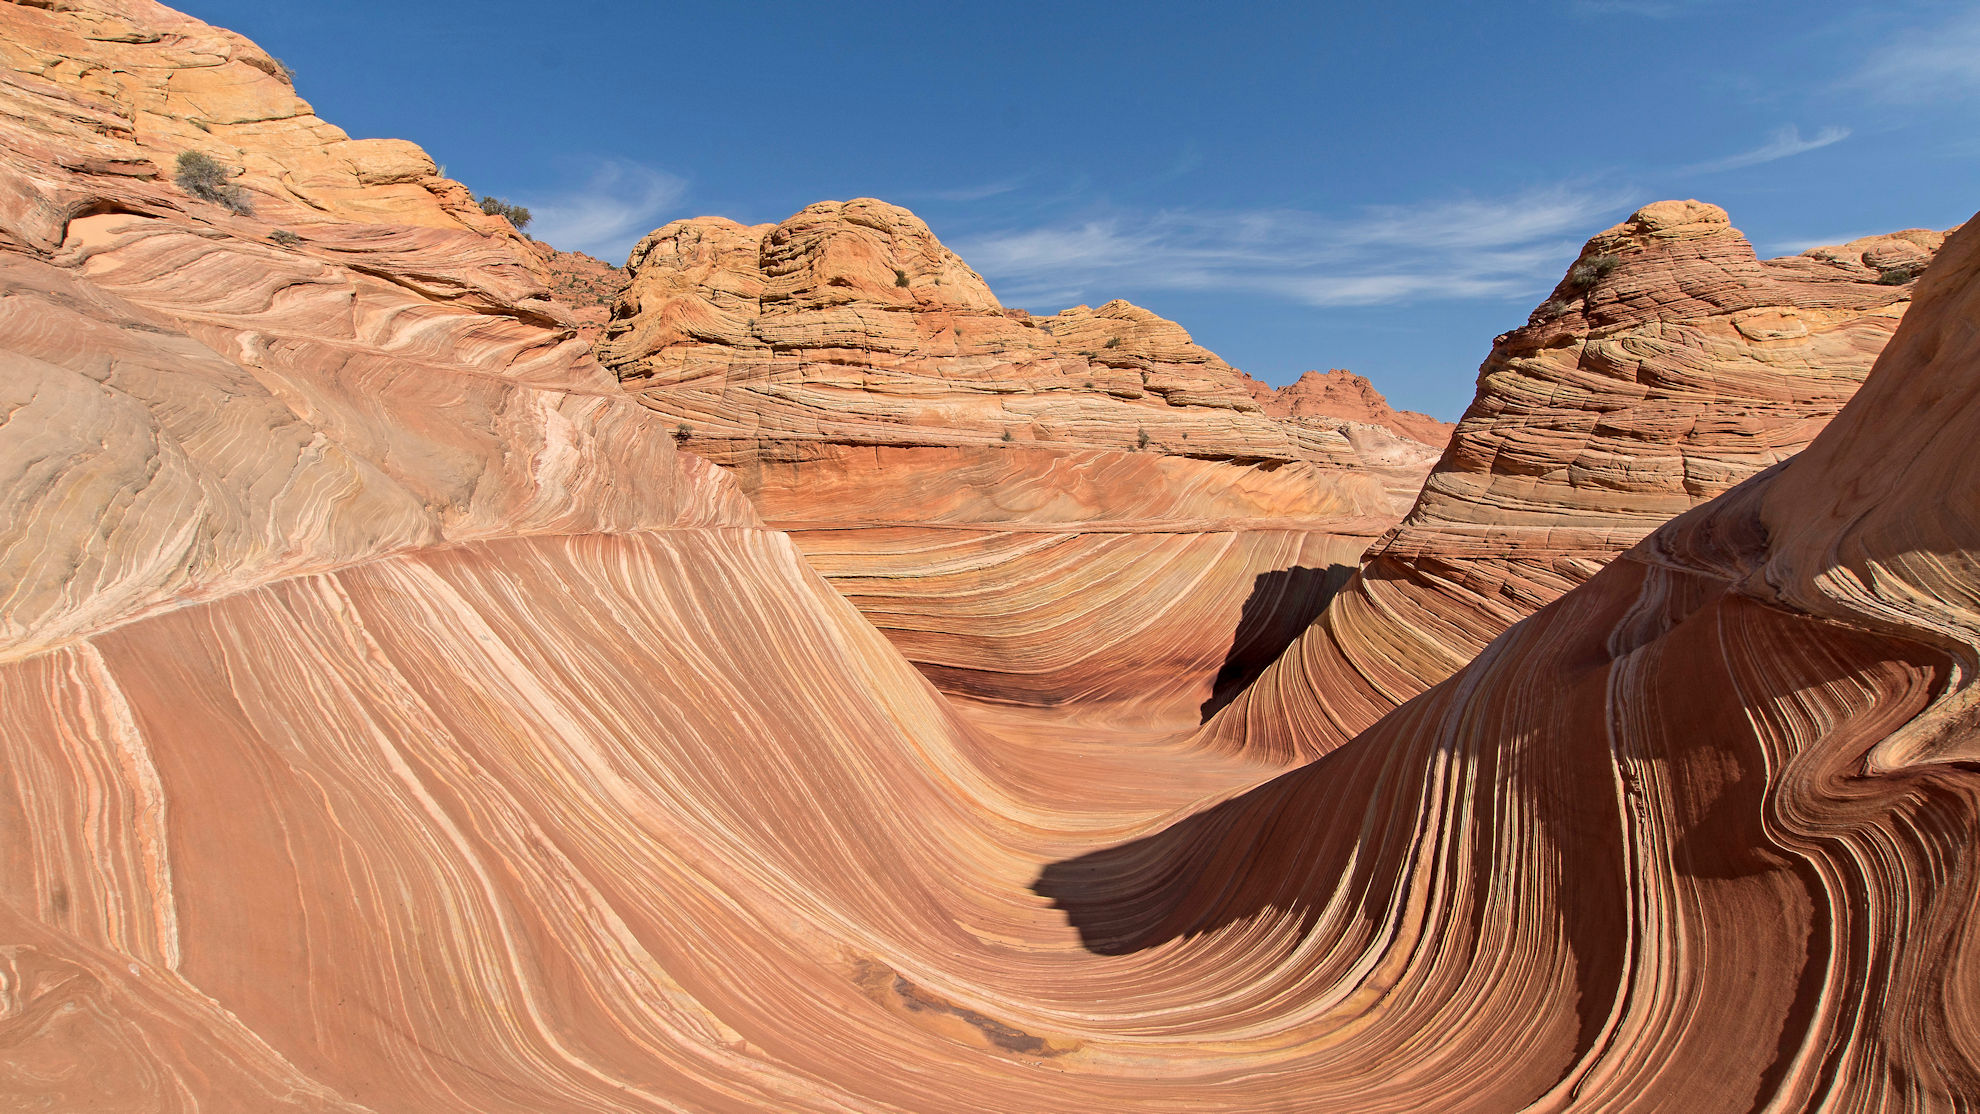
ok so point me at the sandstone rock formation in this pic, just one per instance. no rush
(1341, 394)
(391, 720)
(1084, 509)
(1669, 365)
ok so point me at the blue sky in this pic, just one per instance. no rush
(1382, 187)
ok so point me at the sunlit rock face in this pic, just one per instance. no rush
(1084, 511)
(392, 720)
(1669, 365)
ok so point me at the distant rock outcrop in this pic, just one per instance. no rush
(587, 286)
(1669, 365)
(1084, 509)
(1339, 393)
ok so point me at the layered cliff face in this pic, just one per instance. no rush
(1082, 510)
(1669, 365)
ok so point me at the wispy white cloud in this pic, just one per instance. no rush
(620, 202)
(1927, 63)
(1383, 255)
(1783, 143)
(970, 193)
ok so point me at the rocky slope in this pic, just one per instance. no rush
(587, 287)
(1670, 365)
(1085, 509)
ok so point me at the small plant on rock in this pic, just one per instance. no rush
(1141, 439)
(1113, 342)
(683, 431)
(496, 207)
(900, 277)
(1008, 437)
(1898, 275)
(205, 177)
(1586, 272)
(285, 237)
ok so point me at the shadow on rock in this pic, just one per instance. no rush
(1281, 606)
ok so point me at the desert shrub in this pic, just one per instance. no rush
(1113, 342)
(1008, 437)
(205, 177)
(900, 277)
(1141, 439)
(1550, 309)
(683, 431)
(285, 237)
(1594, 267)
(1898, 275)
(496, 207)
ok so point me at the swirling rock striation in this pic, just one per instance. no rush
(1086, 509)
(1669, 365)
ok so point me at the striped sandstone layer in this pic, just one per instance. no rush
(1669, 365)
(1082, 512)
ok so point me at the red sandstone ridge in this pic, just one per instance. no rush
(1086, 510)
(1669, 365)
(1338, 393)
